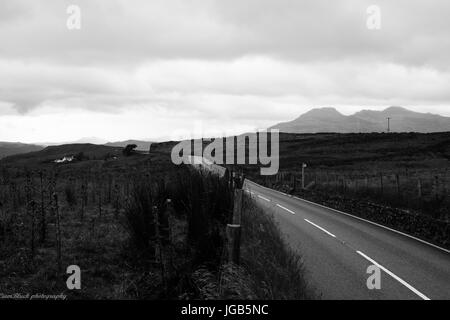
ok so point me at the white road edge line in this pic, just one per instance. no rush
(355, 217)
(403, 282)
(280, 206)
(319, 227)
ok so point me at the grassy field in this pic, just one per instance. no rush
(400, 179)
(110, 215)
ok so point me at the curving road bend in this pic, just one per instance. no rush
(337, 249)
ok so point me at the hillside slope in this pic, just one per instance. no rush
(141, 145)
(12, 148)
(49, 154)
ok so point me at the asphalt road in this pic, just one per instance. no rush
(338, 248)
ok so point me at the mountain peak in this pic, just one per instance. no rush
(324, 110)
(322, 113)
(396, 109)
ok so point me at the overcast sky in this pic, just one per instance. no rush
(156, 69)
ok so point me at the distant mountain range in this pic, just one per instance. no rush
(91, 140)
(314, 121)
(12, 148)
(330, 120)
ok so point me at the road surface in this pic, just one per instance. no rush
(337, 249)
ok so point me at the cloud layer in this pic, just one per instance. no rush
(141, 69)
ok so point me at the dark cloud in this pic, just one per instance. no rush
(128, 32)
(222, 59)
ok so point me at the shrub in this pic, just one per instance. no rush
(207, 201)
(129, 150)
(139, 215)
(69, 192)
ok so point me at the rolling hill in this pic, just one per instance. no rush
(52, 153)
(141, 145)
(12, 148)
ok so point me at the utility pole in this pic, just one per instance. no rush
(303, 175)
(389, 124)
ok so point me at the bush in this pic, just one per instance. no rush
(139, 215)
(203, 206)
(207, 201)
(69, 192)
(129, 150)
(80, 156)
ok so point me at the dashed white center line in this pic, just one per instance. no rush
(403, 282)
(319, 227)
(280, 206)
(261, 197)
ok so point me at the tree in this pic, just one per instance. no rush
(80, 156)
(129, 149)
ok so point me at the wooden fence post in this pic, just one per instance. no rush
(237, 208)
(58, 230)
(157, 240)
(100, 202)
(166, 243)
(436, 187)
(419, 188)
(169, 215)
(397, 181)
(43, 222)
(32, 205)
(234, 239)
(4, 218)
(381, 183)
(155, 233)
(233, 230)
